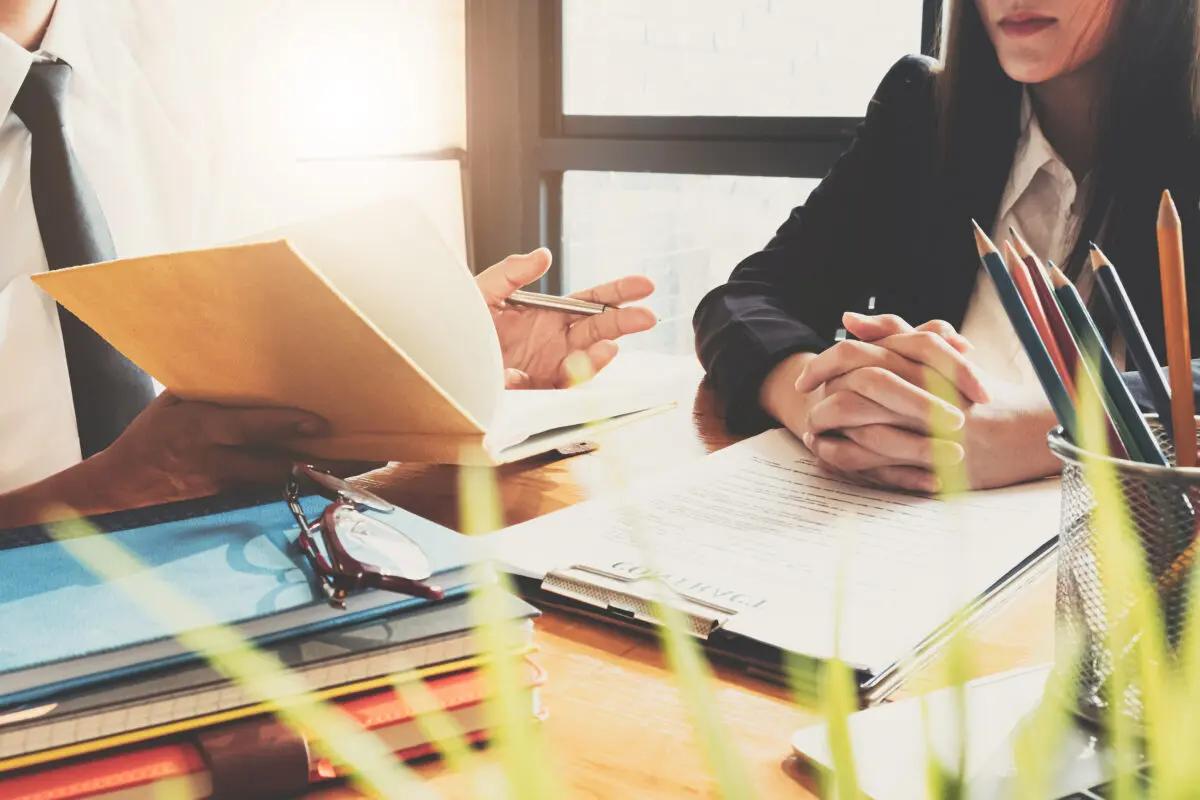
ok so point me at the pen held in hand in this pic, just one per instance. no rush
(569, 305)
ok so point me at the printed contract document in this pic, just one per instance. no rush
(761, 530)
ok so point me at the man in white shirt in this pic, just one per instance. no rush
(99, 159)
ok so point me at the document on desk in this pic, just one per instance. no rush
(789, 549)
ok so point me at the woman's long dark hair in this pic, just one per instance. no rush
(1148, 115)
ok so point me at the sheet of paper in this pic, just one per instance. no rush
(633, 382)
(759, 527)
(390, 261)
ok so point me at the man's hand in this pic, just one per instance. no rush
(536, 342)
(177, 449)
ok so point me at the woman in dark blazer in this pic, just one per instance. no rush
(1111, 87)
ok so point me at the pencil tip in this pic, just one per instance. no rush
(982, 242)
(1167, 213)
(1056, 276)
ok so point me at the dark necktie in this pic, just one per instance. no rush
(108, 389)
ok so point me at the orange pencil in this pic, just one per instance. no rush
(1025, 287)
(1179, 344)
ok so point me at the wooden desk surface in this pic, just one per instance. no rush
(616, 725)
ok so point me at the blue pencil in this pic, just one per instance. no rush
(1018, 315)
(1134, 335)
(1143, 446)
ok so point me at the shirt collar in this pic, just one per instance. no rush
(64, 39)
(14, 66)
(1034, 153)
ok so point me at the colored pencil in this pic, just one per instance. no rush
(1024, 282)
(1135, 434)
(1018, 315)
(1135, 336)
(1054, 316)
(1178, 335)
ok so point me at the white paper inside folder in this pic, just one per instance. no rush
(783, 548)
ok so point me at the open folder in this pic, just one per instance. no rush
(366, 318)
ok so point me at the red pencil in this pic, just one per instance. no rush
(1060, 332)
(1054, 316)
(1023, 279)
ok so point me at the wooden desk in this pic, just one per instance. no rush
(617, 727)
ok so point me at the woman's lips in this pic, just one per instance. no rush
(1025, 25)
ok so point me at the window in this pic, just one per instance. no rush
(350, 100)
(686, 232)
(782, 58)
(668, 137)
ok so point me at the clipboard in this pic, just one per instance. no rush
(613, 598)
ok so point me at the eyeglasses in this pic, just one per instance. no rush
(349, 550)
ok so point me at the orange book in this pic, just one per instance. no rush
(178, 768)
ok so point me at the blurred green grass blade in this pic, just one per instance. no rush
(517, 734)
(949, 781)
(680, 647)
(839, 699)
(436, 725)
(1041, 735)
(1135, 634)
(374, 768)
(695, 685)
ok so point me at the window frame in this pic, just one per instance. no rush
(519, 141)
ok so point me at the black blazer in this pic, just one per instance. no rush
(889, 222)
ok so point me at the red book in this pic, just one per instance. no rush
(180, 768)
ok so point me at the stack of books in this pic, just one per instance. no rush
(99, 697)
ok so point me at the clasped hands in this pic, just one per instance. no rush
(903, 405)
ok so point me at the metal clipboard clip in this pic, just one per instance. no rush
(617, 595)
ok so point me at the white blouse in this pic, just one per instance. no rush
(1045, 204)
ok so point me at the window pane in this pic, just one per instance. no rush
(344, 78)
(731, 57)
(686, 232)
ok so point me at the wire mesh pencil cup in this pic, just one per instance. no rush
(1162, 506)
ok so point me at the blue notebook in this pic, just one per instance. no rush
(64, 628)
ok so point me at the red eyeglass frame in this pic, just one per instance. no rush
(346, 573)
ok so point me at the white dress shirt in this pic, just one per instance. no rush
(1045, 204)
(145, 153)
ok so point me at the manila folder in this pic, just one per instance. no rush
(257, 325)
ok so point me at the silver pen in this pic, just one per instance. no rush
(842, 335)
(569, 305)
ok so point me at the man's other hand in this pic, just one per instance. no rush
(179, 449)
(536, 342)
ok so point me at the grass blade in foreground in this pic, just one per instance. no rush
(517, 735)
(682, 651)
(1135, 630)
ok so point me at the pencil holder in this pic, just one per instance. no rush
(1162, 507)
